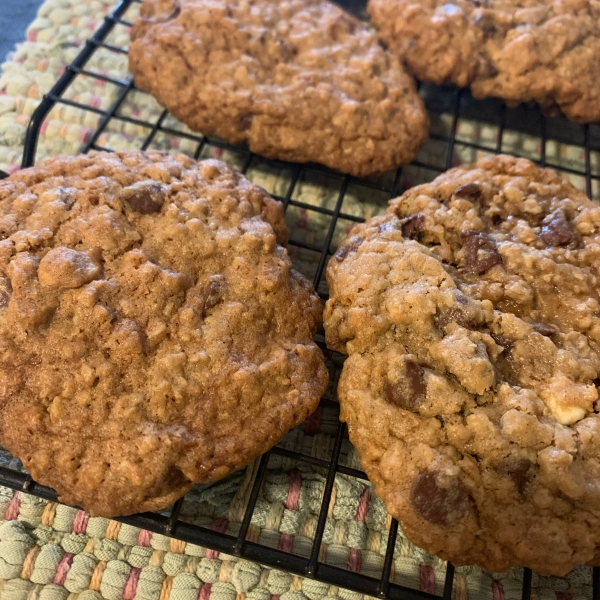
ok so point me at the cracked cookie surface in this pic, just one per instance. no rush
(152, 331)
(547, 51)
(470, 314)
(297, 80)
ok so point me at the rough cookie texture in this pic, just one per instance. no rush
(519, 50)
(470, 313)
(296, 80)
(152, 331)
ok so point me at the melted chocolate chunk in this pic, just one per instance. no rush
(502, 341)
(413, 225)
(245, 123)
(214, 291)
(545, 329)
(556, 230)
(333, 337)
(520, 470)
(410, 390)
(463, 314)
(472, 191)
(350, 246)
(436, 504)
(480, 252)
(454, 315)
(144, 197)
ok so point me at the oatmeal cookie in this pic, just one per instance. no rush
(517, 50)
(471, 315)
(152, 331)
(297, 80)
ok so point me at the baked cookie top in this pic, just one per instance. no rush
(518, 50)
(471, 315)
(297, 80)
(152, 331)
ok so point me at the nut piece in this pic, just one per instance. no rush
(567, 400)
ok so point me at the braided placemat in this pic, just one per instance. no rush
(52, 552)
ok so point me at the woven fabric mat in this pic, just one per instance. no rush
(53, 552)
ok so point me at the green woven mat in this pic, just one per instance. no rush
(53, 552)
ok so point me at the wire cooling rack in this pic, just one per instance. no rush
(462, 130)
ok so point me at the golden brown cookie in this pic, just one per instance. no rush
(517, 50)
(297, 80)
(152, 331)
(471, 315)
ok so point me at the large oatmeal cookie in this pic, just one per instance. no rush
(296, 80)
(152, 331)
(470, 313)
(518, 50)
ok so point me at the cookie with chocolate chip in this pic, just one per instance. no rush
(470, 313)
(152, 331)
(295, 80)
(520, 51)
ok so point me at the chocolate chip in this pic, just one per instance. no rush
(333, 336)
(245, 123)
(454, 315)
(502, 341)
(413, 225)
(346, 248)
(556, 230)
(144, 197)
(468, 190)
(436, 504)
(213, 293)
(480, 252)
(463, 313)
(520, 470)
(545, 329)
(409, 390)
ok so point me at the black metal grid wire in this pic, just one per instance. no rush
(456, 103)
